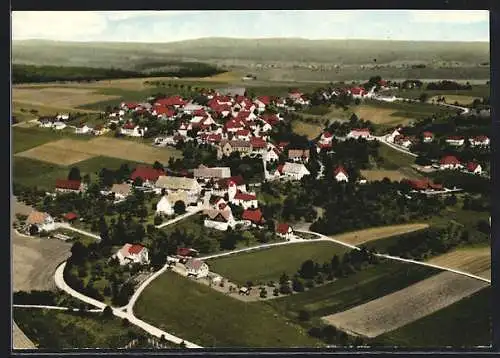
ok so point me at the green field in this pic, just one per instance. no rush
(472, 315)
(412, 110)
(30, 172)
(476, 91)
(27, 138)
(211, 319)
(394, 159)
(268, 264)
(354, 290)
(63, 330)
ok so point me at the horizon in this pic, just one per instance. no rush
(177, 26)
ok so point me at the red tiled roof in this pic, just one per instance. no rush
(258, 142)
(283, 228)
(340, 169)
(272, 119)
(185, 251)
(224, 183)
(135, 249)
(361, 130)
(171, 101)
(327, 135)
(70, 216)
(455, 137)
(234, 123)
(357, 90)
(129, 125)
(449, 159)
(147, 173)
(68, 184)
(244, 196)
(254, 216)
(264, 99)
(472, 166)
(243, 132)
(164, 110)
(280, 168)
(480, 138)
(131, 105)
(427, 134)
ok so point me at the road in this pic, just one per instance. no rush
(59, 308)
(83, 232)
(180, 217)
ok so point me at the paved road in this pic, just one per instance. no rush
(83, 232)
(179, 218)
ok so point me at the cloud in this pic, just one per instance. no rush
(125, 15)
(57, 25)
(446, 16)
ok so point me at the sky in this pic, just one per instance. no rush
(168, 26)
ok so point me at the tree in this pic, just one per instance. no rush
(423, 97)
(297, 285)
(157, 220)
(263, 293)
(33, 230)
(138, 181)
(157, 165)
(179, 207)
(182, 344)
(107, 312)
(74, 174)
(304, 315)
(86, 179)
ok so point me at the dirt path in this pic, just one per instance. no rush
(19, 339)
(474, 260)
(397, 309)
(363, 236)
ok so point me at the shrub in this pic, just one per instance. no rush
(304, 315)
(158, 220)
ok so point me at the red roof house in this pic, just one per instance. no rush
(283, 229)
(255, 216)
(449, 160)
(70, 216)
(185, 252)
(147, 173)
(258, 142)
(65, 184)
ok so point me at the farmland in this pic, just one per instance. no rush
(70, 151)
(56, 330)
(475, 260)
(397, 309)
(376, 175)
(373, 234)
(268, 264)
(308, 129)
(213, 319)
(354, 290)
(441, 329)
(27, 138)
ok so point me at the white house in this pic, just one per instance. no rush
(340, 174)
(43, 221)
(294, 171)
(390, 138)
(132, 254)
(58, 125)
(131, 130)
(219, 219)
(196, 268)
(62, 116)
(84, 129)
(285, 231)
(427, 137)
(474, 168)
(455, 141)
(237, 197)
(271, 154)
(180, 184)
(479, 141)
(450, 162)
(359, 133)
(45, 123)
(164, 207)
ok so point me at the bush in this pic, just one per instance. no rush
(276, 292)
(304, 315)
(309, 283)
(158, 220)
(263, 293)
(107, 312)
(285, 289)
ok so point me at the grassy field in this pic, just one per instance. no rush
(377, 175)
(57, 330)
(212, 319)
(27, 138)
(398, 161)
(268, 264)
(466, 323)
(70, 151)
(310, 130)
(354, 290)
(31, 172)
(477, 91)
(374, 234)
(475, 260)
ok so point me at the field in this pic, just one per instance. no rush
(475, 260)
(211, 319)
(397, 309)
(444, 328)
(377, 175)
(27, 138)
(451, 99)
(378, 115)
(56, 330)
(19, 339)
(364, 286)
(396, 160)
(31, 172)
(310, 130)
(372, 234)
(268, 264)
(58, 97)
(70, 151)
(479, 90)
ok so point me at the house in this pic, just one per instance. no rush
(185, 252)
(271, 154)
(299, 154)
(261, 102)
(196, 268)
(174, 184)
(427, 137)
(164, 113)
(46, 122)
(245, 200)
(121, 191)
(42, 221)
(479, 141)
(132, 130)
(340, 174)
(70, 217)
(258, 145)
(425, 184)
(62, 116)
(326, 138)
(455, 141)
(58, 125)
(404, 141)
(450, 162)
(242, 134)
(219, 219)
(474, 168)
(222, 186)
(203, 172)
(227, 147)
(164, 207)
(253, 216)
(294, 171)
(359, 133)
(69, 186)
(394, 134)
(285, 231)
(358, 92)
(129, 254)
(148, 175)
(82, 129)
(100, 130)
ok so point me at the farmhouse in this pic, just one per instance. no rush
(218, 219)
(129, 254)
(285, 231)
(423, 185)
(69, 186)
(450, 162)
(479, 141)
(149, 175)
(271, 154)
(253, 216)
(227, 147)
(42, 221)
(294, 171)
(174, 184)
(121, 191)
(132, 130)
(164, 207)
(474, 168)
(237, 197)
(299, 154)
(340, 174)
(82, 129)
(359, 133)
(203, 172)
(455, 141)
(222, 186)
(196, 268)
